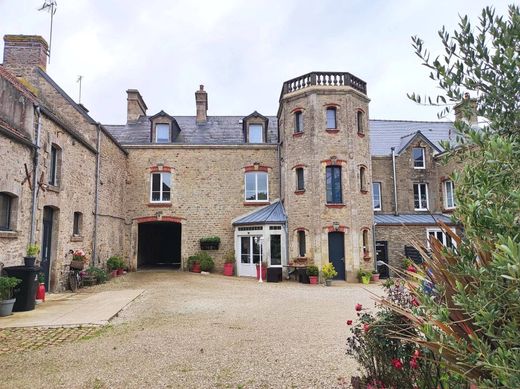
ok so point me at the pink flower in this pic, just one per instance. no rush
(413, 363)
(359, 307)
(416, 354)
(397, 363)
(411, 269)
(415, 303)
(349, 322)
(366, 327)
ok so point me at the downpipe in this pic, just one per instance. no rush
(96, 196)
(36, 171)
(396, 211)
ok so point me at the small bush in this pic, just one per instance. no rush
(206, 262)
(313, 270)
(33, 250)
(115, 262)
(329, 271)
(7, 284)
(100, 274)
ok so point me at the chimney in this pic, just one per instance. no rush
(201, 101)
(466, 110)
(135, 106)
(25, 52)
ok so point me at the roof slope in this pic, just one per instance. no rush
(271, 214)
(426, 219)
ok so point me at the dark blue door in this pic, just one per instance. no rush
(48, 216)
(337, 253)
(382, 258)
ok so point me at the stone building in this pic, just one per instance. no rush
(318, 182)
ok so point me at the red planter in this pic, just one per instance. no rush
(195, 268)
(40, 293)
(313, 280)
(375, 277)
(228, 269)
(113, 273)
(264, 273)
(120, 272)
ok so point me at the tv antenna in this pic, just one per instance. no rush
(49, 6)
(80, 78)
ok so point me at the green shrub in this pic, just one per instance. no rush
(313, 270)
(193, 259)
(115, 262)
(210, 239)
(206, 262)
(33, 250)
(7, 284)
(364, 273)
(329, 271)
(100, 274)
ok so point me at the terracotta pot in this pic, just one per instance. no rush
(228, 269)
(120, 272)
(40, 292)
(264, 272)
(113, 273)
(313, 280)
(195, 268)
(375, 277)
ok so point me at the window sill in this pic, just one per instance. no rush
(364, 191)
(299, 192)
(53, 188)
(335, 205)
(332, 130)
(297, 134)
(9, 234)
(419, 168)
(76, 238)
(159, 205)
(421, 209)
(257, 203)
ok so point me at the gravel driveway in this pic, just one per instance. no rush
(194, 331)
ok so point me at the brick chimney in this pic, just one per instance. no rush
(466, 110)
(135, 106)
(201, 101)
(25, 52)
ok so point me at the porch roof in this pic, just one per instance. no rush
(271, 214)
(414, 219)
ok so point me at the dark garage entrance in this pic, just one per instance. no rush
(159, 244)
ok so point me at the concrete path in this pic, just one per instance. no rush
(73, 309)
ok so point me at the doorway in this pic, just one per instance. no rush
(251, 252)
(337, 253)
(382, 255)
(45, 265)
(159, 244)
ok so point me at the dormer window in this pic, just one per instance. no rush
(255, 133)
(162, 133)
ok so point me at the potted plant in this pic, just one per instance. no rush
(32, 251)
(98, 274)
(313, 272)
(115, 265)
(229, 263)
(79, 260)
(209, 243)
(194, 264)
(375, 276)
(264, 271)
(7, 284)
(329, 272)
(364, 276)
(206, 262)
(40, 292)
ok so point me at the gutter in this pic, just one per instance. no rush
(396, 211)
(35, 177)
(96, 195)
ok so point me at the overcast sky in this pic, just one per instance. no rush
(242, 51)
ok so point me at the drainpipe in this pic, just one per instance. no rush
(374, 244)
(96, 196)
(35, 177)
(396, 212)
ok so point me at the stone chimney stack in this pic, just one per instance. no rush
(466, 110)
(135, 106)
(23, 53)
(201, 100)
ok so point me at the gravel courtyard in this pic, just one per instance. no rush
(194, 331)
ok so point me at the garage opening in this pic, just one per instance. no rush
(159, 245)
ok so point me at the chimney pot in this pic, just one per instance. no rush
(201, 104)
(136, 106)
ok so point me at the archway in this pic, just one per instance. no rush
(159, 244)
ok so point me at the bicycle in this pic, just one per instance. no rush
(74, 278)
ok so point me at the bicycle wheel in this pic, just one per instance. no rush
(73, 282)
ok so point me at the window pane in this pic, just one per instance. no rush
(257, 250)
(450, 195)
(53, 163)
(245, 249)
(302, 249)
(334, 195)
(75, 227)
(298, 122)
(331, 117)
(262, 186)
(166, 185)
(276, 250)
(424, 199)
(5, 211)
(251, 186)
(300, 184)
(360, 122)
(162, 133)
(255, 133)
(418, 157)
(376, 195)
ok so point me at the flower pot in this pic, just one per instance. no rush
(29, 261)
(120, 272)
(365, 280)
(77, 265)
(264, 272)
(228, 269)
(313, 280)
(209, 245)
(113, 273)
(195, 268)
(6, 307)
(328, 282)
(375, 277)
(40, 292)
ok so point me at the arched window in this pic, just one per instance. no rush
(54, 165)
(365, 243)
(6, 211)
(302, 249)
(360, 123)
(298, 122)
(300, 179)
(363, 179)
(77, 225)
(331, 118)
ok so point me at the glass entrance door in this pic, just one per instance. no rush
(250, 255)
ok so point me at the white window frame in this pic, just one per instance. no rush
(156, 132)
(256, 188)
(419, 184)
(373, 194)
(261, 133)
(444, 240)
(160, 188)
(423, 158)
(446, 197)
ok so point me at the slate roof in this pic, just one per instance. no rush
(414, 219)
(217, 130)
(385, 134)
(271, 214)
